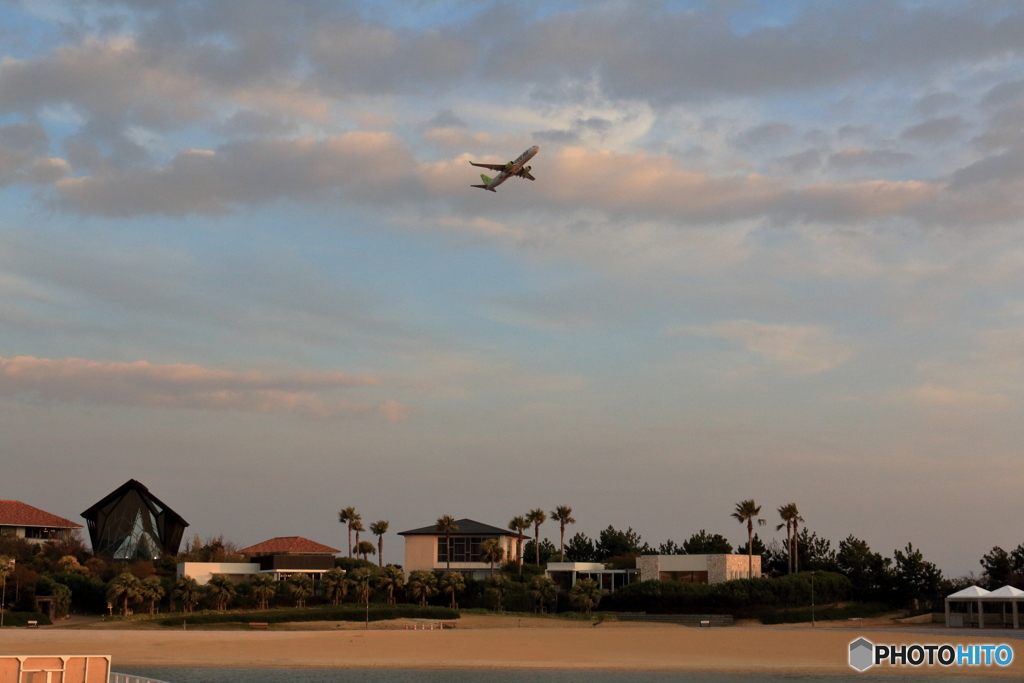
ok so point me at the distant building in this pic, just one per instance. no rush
(696, 568)
(34, 525)
(132, 524)
(280, 557)
(566, 574)
(426, 548)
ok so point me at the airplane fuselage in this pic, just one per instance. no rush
(510, 169)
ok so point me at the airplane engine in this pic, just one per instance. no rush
(508, 166)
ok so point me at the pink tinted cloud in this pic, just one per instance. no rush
(190, 386)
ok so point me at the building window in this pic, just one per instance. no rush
(464, 548)
(40, 532)
(684, 577)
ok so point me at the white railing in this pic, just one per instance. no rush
(128, 678)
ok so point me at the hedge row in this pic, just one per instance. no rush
(852, 611)
(748, 598)
(340, 613)
(22, 618)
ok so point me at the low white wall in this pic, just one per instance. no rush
(202, 572)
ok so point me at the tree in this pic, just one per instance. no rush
(869, 573)
(365, 548)
(747, 513)
(536, 517)
(126, 587)
(915, 579)
(446, 525)
(519, 525)
(452, 583)
(797, 519)
(788, 513)
(346, 516)
(491, 551)
(300, 587)
(614, 543)
(70, 565)
(62, 600)
(263, 588)
(543, 590)
(422, 586)
(357, 526)
(581, 548)
(378, 529)
(759, 547)
(390, 578)
(220, 591)
(703, 543)
(497, 587)
(997, 569)
(548, 550)
(585, 595)
(562, 515)
(152, 591)
(359, 579)
(670, 547)
(187, 591)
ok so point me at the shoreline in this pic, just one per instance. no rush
(724, 650)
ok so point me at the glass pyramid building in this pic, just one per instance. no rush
(133, 524)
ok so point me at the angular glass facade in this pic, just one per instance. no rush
(133, 524)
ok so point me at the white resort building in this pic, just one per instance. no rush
(697, 568)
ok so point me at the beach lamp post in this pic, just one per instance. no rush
(812, 598)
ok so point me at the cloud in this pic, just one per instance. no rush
(188, 386)
(857, 157)
(794, 348)
(935, 130)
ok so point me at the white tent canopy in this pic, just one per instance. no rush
(976, 594)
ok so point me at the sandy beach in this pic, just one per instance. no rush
(775, 650)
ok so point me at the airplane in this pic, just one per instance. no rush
(506, 171)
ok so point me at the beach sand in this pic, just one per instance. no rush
(774, 650)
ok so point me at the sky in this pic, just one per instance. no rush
(773, 251)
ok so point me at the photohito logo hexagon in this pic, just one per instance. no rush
(862, 654)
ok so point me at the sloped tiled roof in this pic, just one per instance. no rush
(16, 513)
(467, 527)
(288, 544)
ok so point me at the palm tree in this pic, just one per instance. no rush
(360, 580)
(491, 551)
(747, 512)
(585, 595)
(390, 578)
(787, 512)
(519, 525)
(452, 583)
(542, 589)
(220, 590)
(152, 590)
(536, 518)
(300, 587)
(125, 587)
(378, 529)
(365, 548)
(446, 524)
(497, 587)
(357, 526)
(563, 515)
(334, 585)
(347, 516)
(263, 588)
(187, 591)
(796, 535)
(422, 585)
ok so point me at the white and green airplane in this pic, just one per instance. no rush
(506, 171)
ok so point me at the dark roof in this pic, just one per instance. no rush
(124, 488)
(16, 513)
(467, 527)
(288, 544)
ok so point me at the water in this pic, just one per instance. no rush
(504, 676)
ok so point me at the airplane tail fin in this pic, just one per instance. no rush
(487, 181)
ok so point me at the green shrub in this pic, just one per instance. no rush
(22, 618)
(329, 613)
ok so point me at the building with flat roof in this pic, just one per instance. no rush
(426, 548)
(566, 574)
(130, 523)
(280, 557)
(696, 568)
(34, 525)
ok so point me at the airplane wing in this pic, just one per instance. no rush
(526, 174)
(493, 167)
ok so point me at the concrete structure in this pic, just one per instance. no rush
(34, 525)
(425, 548)
(975, 595)
(202, 572)
(696, 568)
(566, 574)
